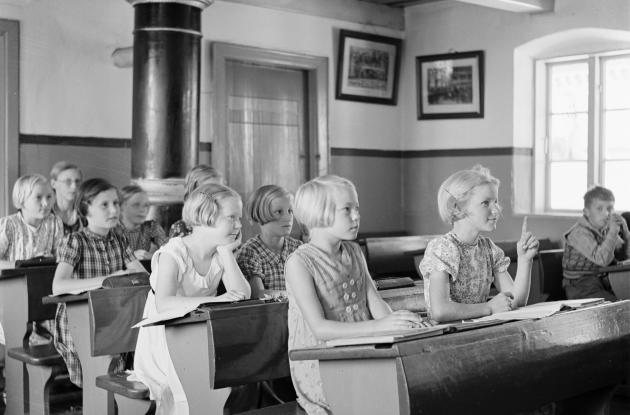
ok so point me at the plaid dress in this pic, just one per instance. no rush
(91, 255)
(141, 238)
(256, 260)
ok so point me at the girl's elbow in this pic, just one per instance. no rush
(438, 313)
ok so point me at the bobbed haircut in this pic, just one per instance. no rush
(62, 166)
(198, 175)
(456, 190)
(203, 205)
(24, 186)
(258, 206)
(88, 190)
(315, 202)
(597, 193)
(128, 191)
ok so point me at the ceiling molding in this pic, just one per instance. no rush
(362, 12)
(517, 6)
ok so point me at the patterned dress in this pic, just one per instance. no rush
(152, 362)
(91, 255)
(19, 240)
(341, 287)
(149, 232)
(471, 267)
(256, 260)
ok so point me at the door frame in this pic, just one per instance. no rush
(9, 111)
(316, 68)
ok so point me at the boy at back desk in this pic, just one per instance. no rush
(592, 243)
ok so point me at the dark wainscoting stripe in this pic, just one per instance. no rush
(469, 152)
(359, 152)
(60, 140)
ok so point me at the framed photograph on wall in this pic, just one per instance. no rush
(450, 85)
(367, 67)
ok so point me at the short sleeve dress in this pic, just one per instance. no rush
(471, 267)
(152, 362)
(341, 287)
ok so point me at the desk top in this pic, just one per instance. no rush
(615, 268)
(218, 311)
(578, 327)
(65, 298)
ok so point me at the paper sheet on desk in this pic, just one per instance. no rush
(170, 314)
(90, 287)
(540, 310)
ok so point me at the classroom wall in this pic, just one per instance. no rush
(435, 148)
(70, 91)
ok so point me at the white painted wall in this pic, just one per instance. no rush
(69, 85)
(449, 26)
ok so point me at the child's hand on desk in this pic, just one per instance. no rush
(527, 245)
(141, 254)
(231, 296)
(401, 319)
(501, 302)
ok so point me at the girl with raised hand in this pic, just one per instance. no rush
(460, 266)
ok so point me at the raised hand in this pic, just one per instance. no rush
(527, 245)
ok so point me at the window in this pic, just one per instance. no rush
(583, 105)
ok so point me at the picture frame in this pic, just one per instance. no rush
(368, 67)
(450, 85)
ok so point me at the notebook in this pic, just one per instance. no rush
(390, 337)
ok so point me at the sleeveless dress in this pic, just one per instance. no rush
(152, 362)
(341, 287)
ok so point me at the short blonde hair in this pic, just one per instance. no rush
(315, 203)
(23, 187)
(258, 205)
(199, 175)
(203, 205)
(128, 191)
(457, 189)
(62, 166)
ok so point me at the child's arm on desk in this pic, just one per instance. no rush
(303, 288)
(64, 283)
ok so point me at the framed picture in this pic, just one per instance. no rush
(368, 67)
(450, 85)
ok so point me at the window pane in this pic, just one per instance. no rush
(616, 133)
(568, 137)
(617, 82)
(569, 87)
(616, 179)
(567, 184)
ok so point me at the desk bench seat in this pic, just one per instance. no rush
(288, 408)
(39, 355)
(117, 383)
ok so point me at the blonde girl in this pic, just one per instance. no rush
(263, 256)
(185, 271)
(144, 236)
(459, 267)
(330, 291)
(198, 175)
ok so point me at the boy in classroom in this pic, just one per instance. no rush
(187, 270)
(144, 236)
(593, 242)
(459, 267)
(262, 257)
(86, 257)
(331, 294)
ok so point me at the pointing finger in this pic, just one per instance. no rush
(524, 229)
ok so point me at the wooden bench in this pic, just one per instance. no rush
(112, 313)
(395, 256)
(31, 370)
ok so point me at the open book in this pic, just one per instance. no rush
(389, 337)
(116, 280)
(541, 310)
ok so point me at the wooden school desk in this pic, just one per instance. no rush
(504, 369)
(619, 278)
(95, 400)
(227, 345)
